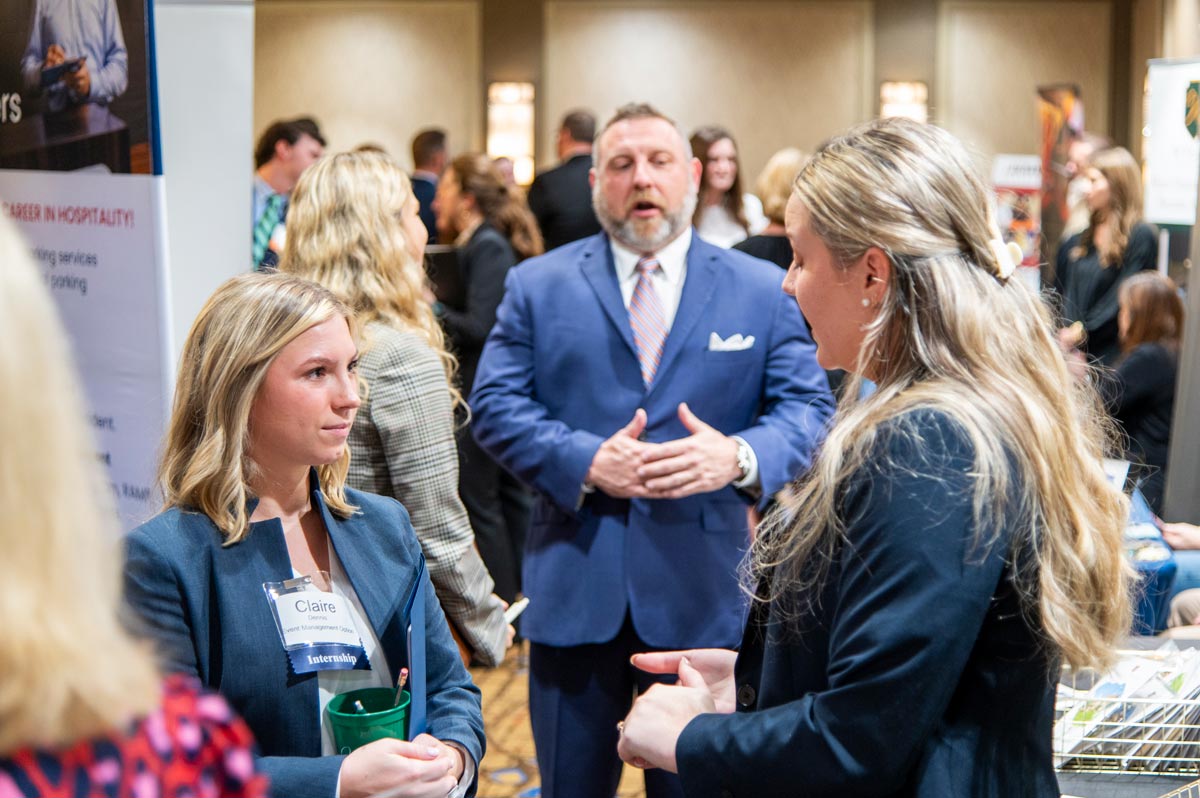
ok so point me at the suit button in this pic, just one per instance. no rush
(746, 696)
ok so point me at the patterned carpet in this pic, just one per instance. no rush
(509, 769)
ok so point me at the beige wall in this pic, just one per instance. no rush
(992, 56)
(777, 74)
(1181, 29)
(1146, 44)
(371, 71)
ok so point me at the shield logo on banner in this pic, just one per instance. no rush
(1192, 117)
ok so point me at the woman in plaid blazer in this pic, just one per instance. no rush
(353, 227)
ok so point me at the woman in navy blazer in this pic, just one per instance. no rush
(253, 470)
(955, 538)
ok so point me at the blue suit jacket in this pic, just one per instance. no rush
(559, 374)
(203, 603)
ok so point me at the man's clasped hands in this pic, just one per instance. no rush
(628, 468)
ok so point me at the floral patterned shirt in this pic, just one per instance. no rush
(192, 746)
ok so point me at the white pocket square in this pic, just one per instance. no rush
(734, 343)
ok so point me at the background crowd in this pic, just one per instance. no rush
(625, 399)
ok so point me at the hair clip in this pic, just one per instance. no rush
(1007, 257)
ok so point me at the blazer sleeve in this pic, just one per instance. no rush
(409, 406)
(796, 403)
(486, 259)
(912, 592)
(511, 424)
(158, 597)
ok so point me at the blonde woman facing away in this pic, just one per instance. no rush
(955, 539)
(83, 709)
(353, 227)
(253, 473)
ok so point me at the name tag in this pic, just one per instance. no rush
(316, 628)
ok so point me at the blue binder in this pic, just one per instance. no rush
(418, 721)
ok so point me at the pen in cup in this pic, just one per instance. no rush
(400, 682)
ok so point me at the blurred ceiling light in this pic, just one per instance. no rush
(909, 99)
(510, 127)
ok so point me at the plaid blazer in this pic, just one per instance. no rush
(402, 445)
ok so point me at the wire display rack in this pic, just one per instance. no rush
(1130, 735)
(1186, 791)
(1139, 721)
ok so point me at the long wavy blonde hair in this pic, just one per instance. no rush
(70, 671)
(232, 343)
(343, 231)
(955, 336)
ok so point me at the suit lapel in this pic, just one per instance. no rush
(597, 266)
(260, 557)
(364, 559)
(698, 288)
(249, 630)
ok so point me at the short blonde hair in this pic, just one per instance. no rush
(954, 335)
(343, 231)
(775, 182)
(232, 343)
(68, 669)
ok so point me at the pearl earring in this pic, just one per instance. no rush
(866, 302)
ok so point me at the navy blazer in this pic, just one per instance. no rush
(916, 674)
(559, 374)
(425, 190)
(203, 603)
(484, 262)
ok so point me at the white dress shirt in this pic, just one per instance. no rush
(667, 281)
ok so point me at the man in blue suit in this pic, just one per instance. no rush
(650, 386)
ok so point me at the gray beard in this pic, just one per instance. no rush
(627, 230)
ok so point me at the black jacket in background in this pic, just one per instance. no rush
(484, 262)
(1140, 395)
(1089, 290)
(561, 200)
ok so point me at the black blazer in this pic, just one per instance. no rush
(561, 200)
(1140, 394)
(1089, 291)
(916, 673)
(484, 261)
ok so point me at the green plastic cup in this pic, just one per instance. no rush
(381, 720)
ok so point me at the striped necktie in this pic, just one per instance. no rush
(271, 217)
(647, 319)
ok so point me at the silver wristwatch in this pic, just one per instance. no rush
(743, 458)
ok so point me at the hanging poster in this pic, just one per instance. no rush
(1060, 110)
(1172, 149)
(78, 175)
(1017, 182)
